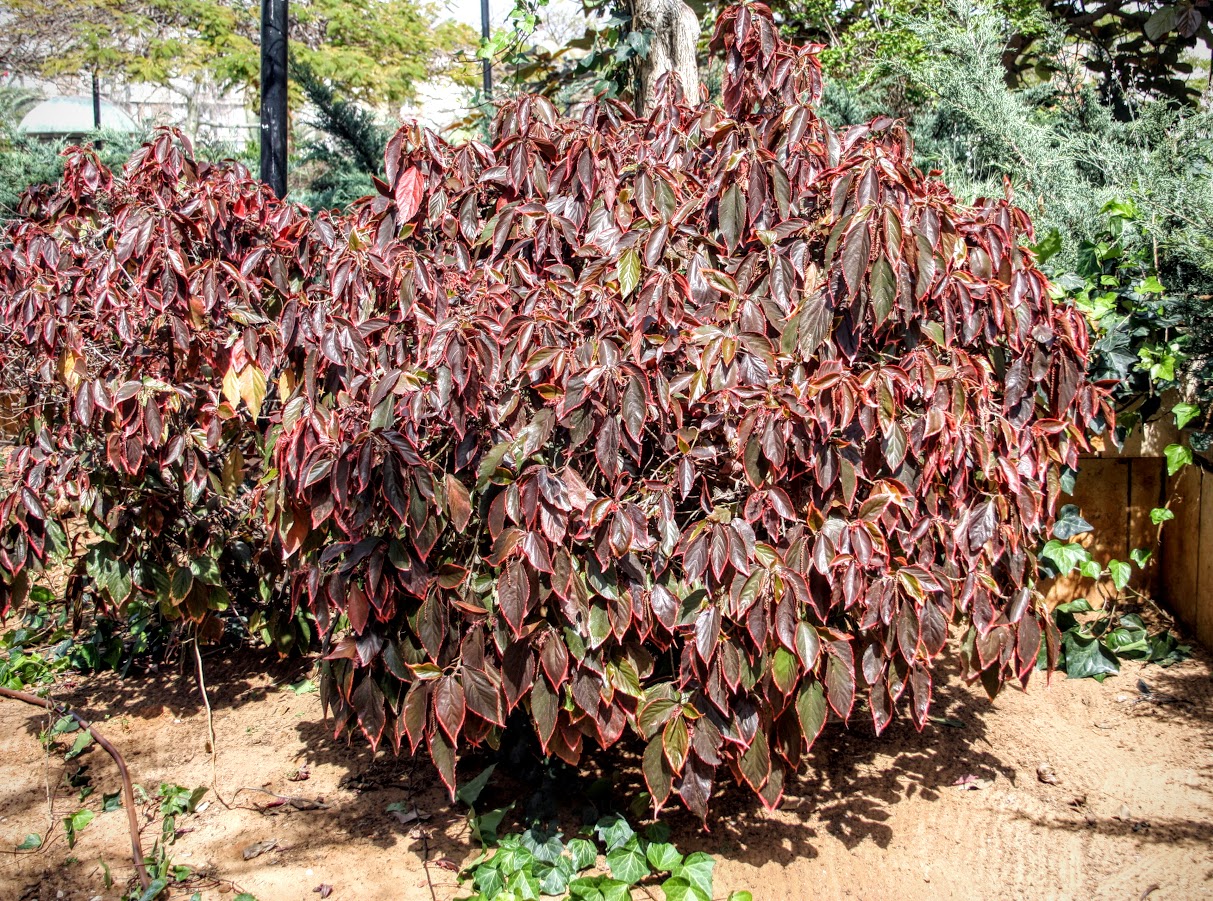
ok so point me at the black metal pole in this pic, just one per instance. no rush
(485, 32)
(96, 103)
(273, 95)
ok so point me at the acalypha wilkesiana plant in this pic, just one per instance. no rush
(698, 425)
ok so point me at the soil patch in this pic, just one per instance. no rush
(957, 811)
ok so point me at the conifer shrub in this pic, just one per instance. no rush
(703, 426)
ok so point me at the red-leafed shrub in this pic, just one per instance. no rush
(696, 426)
(137, 314)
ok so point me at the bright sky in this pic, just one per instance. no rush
(469, 11)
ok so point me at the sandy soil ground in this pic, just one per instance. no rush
(1129, 817)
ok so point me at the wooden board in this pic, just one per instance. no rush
(1101, 493)
(1204, 565)
(1181, 545)
(1147, 477)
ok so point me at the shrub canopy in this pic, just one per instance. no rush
(700, 426)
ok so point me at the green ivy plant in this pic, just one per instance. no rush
(1094, 646)
(1137, 336)
(605, 862)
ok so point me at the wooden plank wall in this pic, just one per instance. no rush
(1187, 552)
(1116, 495)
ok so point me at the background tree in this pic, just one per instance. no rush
(378, 52)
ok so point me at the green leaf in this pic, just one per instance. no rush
(628, 862)
(1140, 556)
(304, 686)
(629, 271)
(183, 581)
(32, 842)
(1064, 555)
(205, 570)
(1091, 569)
(679, 888)
(740, 896)
(546, 846)
(811, 708)
(1120, 572)
(1177, 456)
(470, 791)
(785, 668)
(1159, 515)
(1184, 413)
(655, 714)
(583, 853)
(1088, 657)
(697, 870)
(554, 877)
(75, 824)
(83, 741)
(1070, 523)
(663, 856)
(1048, 246)
(613, 831)
(1162, 22)
(484, 826)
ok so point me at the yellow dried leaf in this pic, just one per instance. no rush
(252, 388)
(231, 387)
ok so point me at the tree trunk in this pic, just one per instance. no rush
(675, 29)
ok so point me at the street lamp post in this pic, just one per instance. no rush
(487, 62)
(273, 94)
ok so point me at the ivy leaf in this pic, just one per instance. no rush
(1184, 413)
(32, 842)
(1088, 657)
(663, 856)
(1070, 523)
(1159, 515)
(1065, 555)
(554, 877)
(81, 744)
(1177, 456)
(75, 824)
(627, 863)
(678, 888)
(697, 870)
(583, 853)
(544, 845)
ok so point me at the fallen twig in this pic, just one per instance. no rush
(128, 791)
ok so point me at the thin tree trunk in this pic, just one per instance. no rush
(675, 29)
